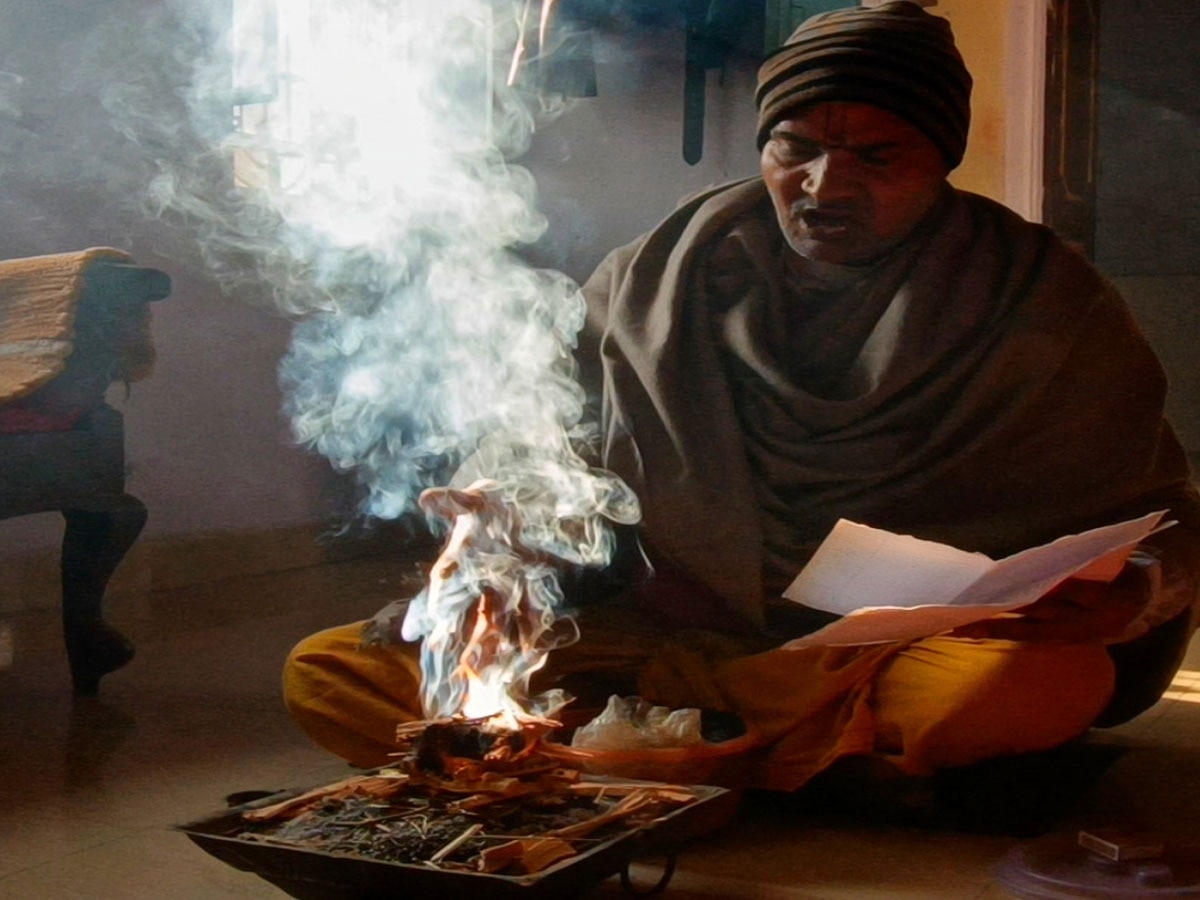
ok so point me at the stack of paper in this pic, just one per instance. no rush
(891, 587)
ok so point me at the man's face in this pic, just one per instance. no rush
(849, 181)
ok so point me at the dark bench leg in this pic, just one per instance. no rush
(94, 543)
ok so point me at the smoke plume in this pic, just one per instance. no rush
(352, 158)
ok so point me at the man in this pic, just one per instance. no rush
(849, 337)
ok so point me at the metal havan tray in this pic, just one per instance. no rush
(317, 875)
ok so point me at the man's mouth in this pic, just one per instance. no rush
(823, 225)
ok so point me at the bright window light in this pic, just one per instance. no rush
(1185, 686)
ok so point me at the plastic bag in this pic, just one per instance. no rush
(631, 723)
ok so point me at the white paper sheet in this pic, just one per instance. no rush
(891, 587)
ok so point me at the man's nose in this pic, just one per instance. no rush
(829, 177)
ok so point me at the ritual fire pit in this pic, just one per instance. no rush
(481, 801)
(467, 811)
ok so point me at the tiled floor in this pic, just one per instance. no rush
(90, 790)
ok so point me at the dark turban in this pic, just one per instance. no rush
(896, 56)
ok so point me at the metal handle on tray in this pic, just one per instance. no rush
(658, 887)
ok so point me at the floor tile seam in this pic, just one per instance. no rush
(702, 885)
(59, 858)
(689, 879)
(1184, 685)
(1144, 723)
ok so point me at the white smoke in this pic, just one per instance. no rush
(368, 190)
(383, 211)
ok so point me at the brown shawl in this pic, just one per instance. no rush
(997, 392)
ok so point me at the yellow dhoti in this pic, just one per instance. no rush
(935, 703)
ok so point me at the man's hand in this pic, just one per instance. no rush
(1075, 611)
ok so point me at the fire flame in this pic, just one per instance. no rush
(490, 614)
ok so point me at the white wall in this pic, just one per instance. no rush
(207, 447)
(613, 166)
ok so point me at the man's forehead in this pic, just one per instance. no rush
(841, 123)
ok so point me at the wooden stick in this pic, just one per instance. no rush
(456, 843)
(371, 784)
(530, 854)
(497, 836)
(628, 806)
(674, 793)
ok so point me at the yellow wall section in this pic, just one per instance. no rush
(981, 29)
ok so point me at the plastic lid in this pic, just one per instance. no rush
(1058, 868)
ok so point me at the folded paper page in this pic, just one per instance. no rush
(891, 587)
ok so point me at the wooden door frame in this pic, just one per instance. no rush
(1072, 109)
(1025, 107)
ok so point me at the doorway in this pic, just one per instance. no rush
(1122, 149)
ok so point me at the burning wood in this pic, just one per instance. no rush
(502, 808)
(514, 833)
(491, 609)
(473, 786)
(460, 743)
